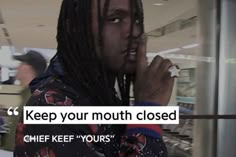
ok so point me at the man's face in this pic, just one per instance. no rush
(116, 32)
(25, 73)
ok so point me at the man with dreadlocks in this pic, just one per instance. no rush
(100, 42)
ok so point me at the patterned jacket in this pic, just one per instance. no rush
(134, 141)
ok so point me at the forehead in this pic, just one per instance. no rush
(23, 65)
(117, 4)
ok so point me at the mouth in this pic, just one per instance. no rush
(131, 54)
(131, 51)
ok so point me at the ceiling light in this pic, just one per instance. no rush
(169, 51)
(158, 4)
(190, 46)
(153, 54)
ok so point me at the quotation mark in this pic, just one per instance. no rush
(12, 111)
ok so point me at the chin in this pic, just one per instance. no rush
(129, 68)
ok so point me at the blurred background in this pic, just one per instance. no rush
(198, 35)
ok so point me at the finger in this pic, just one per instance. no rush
(165, 65)
(163, 68)
(141, 56)
(155, 64)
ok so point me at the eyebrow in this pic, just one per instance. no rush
(118, 11)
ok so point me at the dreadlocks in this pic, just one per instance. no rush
(77, 52)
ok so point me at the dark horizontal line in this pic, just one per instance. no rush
(233, 116)
(9, 93)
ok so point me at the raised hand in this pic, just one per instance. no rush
(153, 82)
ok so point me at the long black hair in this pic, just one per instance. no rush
(77, 53)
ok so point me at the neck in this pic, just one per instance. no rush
(25, 83)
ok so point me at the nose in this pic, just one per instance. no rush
(132, 29)
(136, 30)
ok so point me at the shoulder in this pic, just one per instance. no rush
(53, 93)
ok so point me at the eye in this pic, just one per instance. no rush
(115, 20)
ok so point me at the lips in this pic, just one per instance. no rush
(130, 51)
(133, 51)
(131, 54)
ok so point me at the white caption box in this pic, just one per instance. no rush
(101, 115)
